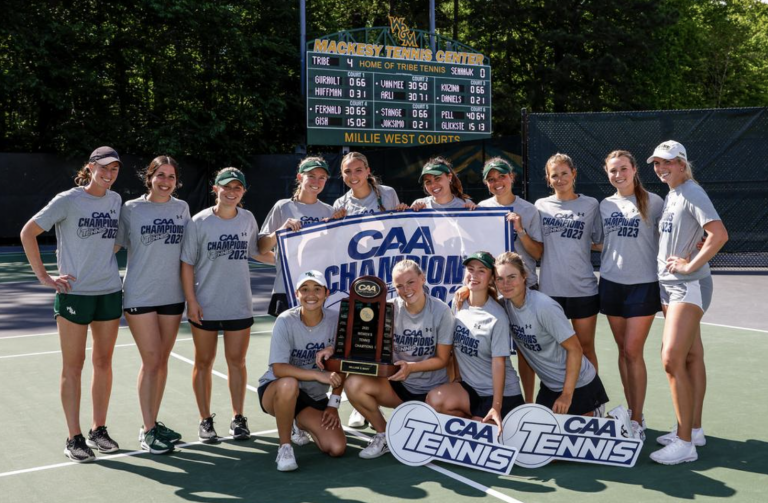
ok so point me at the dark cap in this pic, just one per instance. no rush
(484, 257)
(311, 164)
(500, 166)
(228, 175)
(435, 169)
(104, 156)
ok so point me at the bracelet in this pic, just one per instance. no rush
(334, 401)
(523, 233)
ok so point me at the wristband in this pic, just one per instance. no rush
(334, 401)
(523, 232)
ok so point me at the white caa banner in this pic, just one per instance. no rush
(370, 245)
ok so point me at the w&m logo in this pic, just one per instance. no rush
(401, 32)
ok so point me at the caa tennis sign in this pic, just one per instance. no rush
(541, 436)
(416, 435)
(532, 437)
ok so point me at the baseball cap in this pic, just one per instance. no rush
(228, 175)
(311, 164)
(500, 166)
(312, 275)
(435, 169)
(484, 257)
(104, 156)
(670, 149)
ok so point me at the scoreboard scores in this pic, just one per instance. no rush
(374, 101)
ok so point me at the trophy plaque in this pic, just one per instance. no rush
(364, 334)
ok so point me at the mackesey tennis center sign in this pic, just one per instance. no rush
(380, 94)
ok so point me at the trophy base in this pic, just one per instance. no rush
(361, 368)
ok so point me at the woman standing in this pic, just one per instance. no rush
(152, 229)
(366, 193)
(629, 288)
(486, 386)
(499, 177)
(686, 292)
(302, 208)
(293, 388)
(569, 382)
(442, 186)
(570, 224)
(422, 346)
(88, 291)
(216, 280)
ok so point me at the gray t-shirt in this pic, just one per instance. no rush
(219, 249)
(86, 228)
(630, 244)
(569, 228)
(481, 334)
(417, 337)
(532, 225)
(687, 209)
(152, 233)
(432, 204)
(539, 328)
(297, 344)
(368, 204)
(279, 214)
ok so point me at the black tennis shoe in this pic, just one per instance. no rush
(205, 432)
(100, 439)
(77, 450)
(238, 428)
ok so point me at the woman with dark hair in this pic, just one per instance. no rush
(88, 291)
(152, 229)
(442, 186)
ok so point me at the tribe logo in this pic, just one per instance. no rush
(417, 434)
(367, 289)
(402, 33)
(541, 436)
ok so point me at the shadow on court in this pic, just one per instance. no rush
(246, 471)
(684, 481)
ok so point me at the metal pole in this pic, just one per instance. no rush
(303, 42)
(432, 25)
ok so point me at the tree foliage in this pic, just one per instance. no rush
(220, 80)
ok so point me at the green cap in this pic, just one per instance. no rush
(227, 176)
(435, 169)
(500, 166)
(484, 257)
(312, 164)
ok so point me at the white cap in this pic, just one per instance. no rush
(670, 149)
(315, 276)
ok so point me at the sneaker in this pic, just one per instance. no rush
(299, 436)
(238, 428)
(100, 439)
(637, 430)
(155, 443)
(675, 453)
(377, 447)
(622, 416)
(167, 433)
(205, 432)
(78, 451)
(286, 461)
(356, 420)
(697, 435)
(642, 422)
(600, 411)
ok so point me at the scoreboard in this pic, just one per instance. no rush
(375, 101)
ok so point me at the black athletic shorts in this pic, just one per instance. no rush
(629, 301)
(226, 325)
(406, 396)
(579, 307)
(585, 399)
(166, 310)
(302, 401)
(480, 405)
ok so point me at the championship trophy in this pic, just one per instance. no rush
(364, 334)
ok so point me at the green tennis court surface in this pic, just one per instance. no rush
(733, 464)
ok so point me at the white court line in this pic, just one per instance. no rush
(116, 456)
(724, 326)
(122, 326)
(455, 476)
